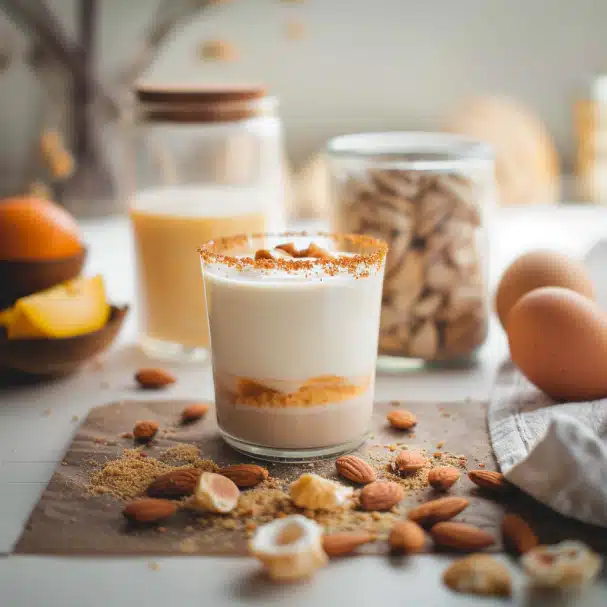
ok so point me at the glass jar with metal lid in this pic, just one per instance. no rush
(203, 162)
(428, 195)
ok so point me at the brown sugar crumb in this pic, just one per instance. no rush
(126, 435)
(440, 444)
(153, 565)
(161, 529)
(481, 465)
(218, 50)
(188, 546)
(100, 441)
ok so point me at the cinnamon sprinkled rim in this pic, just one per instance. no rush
(213, 251)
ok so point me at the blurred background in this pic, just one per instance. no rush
(67, 68)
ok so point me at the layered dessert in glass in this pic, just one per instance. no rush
(294, 322)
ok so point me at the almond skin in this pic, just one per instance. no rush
(149, 510)
(407, 536)
(381, 495)
(443, 477)
(174, 484)
(517, 534)
(438, 510)
(194, 412)
(401, 419)
(355, 469)
(145, 430)
(339, 544)
(245, 475)
(408, 462)
(154, 379)
(489, 479)
(460, 536)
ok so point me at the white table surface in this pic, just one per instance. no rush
(36, 426)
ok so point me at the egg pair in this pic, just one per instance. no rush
(556, 332)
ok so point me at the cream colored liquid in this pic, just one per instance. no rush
(169, 225)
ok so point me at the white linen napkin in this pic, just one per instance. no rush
(555, 452)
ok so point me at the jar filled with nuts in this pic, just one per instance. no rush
(428, 195)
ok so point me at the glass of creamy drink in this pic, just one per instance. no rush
(294, 321)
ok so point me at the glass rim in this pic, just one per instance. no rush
(373, 254)
(384, 147)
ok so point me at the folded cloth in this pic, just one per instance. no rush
(556, 453)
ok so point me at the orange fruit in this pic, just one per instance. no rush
(36, 229)
(73, 308)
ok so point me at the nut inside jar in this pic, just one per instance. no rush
(434, 304)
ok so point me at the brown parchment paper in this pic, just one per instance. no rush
(69, 521)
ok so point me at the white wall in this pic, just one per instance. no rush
(363, 64)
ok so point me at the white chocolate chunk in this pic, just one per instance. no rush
(317, 493)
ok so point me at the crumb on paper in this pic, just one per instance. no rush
(153, 565)
(188, 546)
(47, 412)
(75, 418)
(440, 444)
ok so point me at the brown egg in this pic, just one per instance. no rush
(540, 269)
(558, 339)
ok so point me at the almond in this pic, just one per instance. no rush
(149, 510)
(154, 379)
(194, 412)
(407, 536)
(478, 574)
(145, 430)
(438, 510)
(460, 536)
(245, 475)
(443, 477)
(401, 419)
(407, 462)
(177, 483)
(289, 248)
(339, 544)
(355, 469)
(517, 534)
(381, 495)
(489, 479)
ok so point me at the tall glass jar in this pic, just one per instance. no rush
(203, 163)
(428, 195)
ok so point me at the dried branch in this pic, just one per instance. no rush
(168, 15)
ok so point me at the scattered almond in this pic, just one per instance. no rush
(517, 534)
(215, 493)
(401, 419)
(154, 379)
(145, 430)
(407, 536)
(381, 495)
(194, 412)
(442, 509)
(263, 254)
(443, 477)
(149, 510)
(407, 462)
(460, 536)
(478, 574)
(174, 484)
(289, 248)
(355, 469)
(339, 544)
(489, 479)
(245, 475)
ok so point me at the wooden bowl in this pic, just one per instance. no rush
(52, 357)
(19, 278)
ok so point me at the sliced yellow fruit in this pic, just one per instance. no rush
(67, 310)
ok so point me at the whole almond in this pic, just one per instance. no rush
(174, 484)
(460, 536)
(381, 495)
(443, 478)
(438, 510)
(479, 574)
(145, 430)
(401, 419)
(489, 479)
(194, 412)
(355, 469)
(245, 475)
(339, 544)
(407, 462)
(149, 510)
(407, 536)
(154, 379)
(517, 534)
